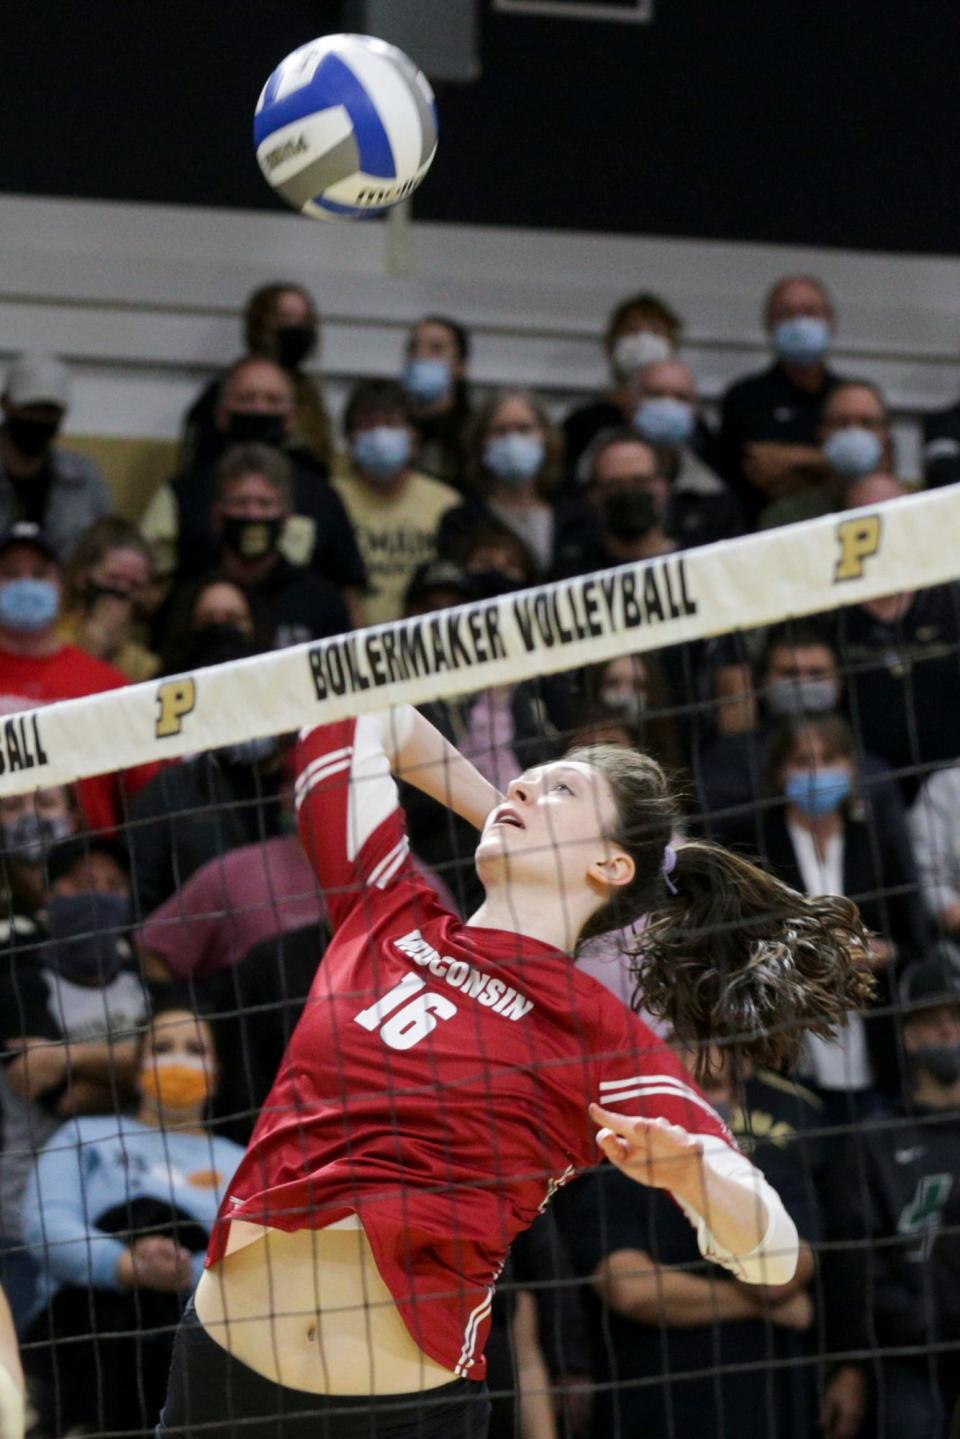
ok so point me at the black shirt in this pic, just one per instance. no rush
(767, 407)
(903, 680)
(606, 1212)
(296, 605)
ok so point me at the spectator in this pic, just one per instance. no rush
(256, 406)
(634, 690)
(394, 509)
(894, 1206)
(822, 839)
(119, 1211)
(935, 828)
(900, 657)
(855, 440)
(30, 824)
(701, 508)
(36, 668)
(770, 420)
(204, 807)
(107, 589)
(640, 330)
(941, 447)
(57, 490)
(513, 470)
(659, 1317)
(71, 1000)
(253, 502)
(209, 622)
(435, 380)
(494, 558)
(281, 324)
(797, 674)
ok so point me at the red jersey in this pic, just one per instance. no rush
(70, 673)
(438, 1081)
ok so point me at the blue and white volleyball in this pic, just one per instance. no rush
(346, 126)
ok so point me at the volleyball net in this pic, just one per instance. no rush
(801, 687)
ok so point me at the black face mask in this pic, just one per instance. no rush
(256, 429)
(85, 941)
(942, 1062)
(250, 539)
(31, 437)
(490, 584)
(294, 343)
(630, 515)
(214, 644)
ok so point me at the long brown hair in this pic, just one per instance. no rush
(729, 955)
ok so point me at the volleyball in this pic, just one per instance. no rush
(346, 126)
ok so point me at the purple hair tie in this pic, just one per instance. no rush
(668, 866)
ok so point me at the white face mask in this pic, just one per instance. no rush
(643, 347)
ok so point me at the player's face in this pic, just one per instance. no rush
(551, 829)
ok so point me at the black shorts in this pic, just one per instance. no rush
(211, 1395)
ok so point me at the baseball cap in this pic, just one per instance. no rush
(37, 380)
(26, 533)
(439, 575)
(935, 979)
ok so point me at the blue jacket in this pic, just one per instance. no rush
(104, 1165)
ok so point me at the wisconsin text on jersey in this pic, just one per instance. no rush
(560, 614)
(495, 994)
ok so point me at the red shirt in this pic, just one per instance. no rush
(67, 674)
(437, 1084)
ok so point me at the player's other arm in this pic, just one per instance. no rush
(740, 1219)
(420, 755)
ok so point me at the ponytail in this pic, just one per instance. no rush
(733, 956)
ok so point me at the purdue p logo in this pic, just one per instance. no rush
(859, 539)
(175, 699)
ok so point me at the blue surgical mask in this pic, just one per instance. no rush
(853, 452)
(664, 421)
(28, 605)
(383, 451)
(514, 457)
(802, 340)
(86, 941)
(427, 380)
(818, 792)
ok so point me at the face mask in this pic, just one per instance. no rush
(630, 515)
(802, 697)
(294, 343)
(31, 437)
(942, 1061)
(626, 703)
(664, 420)
(853, 452)
(490, 584)
(802, 340)
(250, 539)
(28, 606)
(643, 347)
(427, 380)
(818, 792)
(175, 1081)
(85, 943)
(256, 429)
(383, 451)
(249, 751)
(515, 458)
(31, 835)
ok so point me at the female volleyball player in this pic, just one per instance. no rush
(445, 1078)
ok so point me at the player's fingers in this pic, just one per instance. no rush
(619, 1123)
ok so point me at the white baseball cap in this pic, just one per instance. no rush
(37, 380)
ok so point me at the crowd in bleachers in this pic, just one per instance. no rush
(160, 929)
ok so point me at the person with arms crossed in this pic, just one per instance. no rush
(447, 1078)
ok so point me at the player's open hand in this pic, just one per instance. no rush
(651, 1151)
